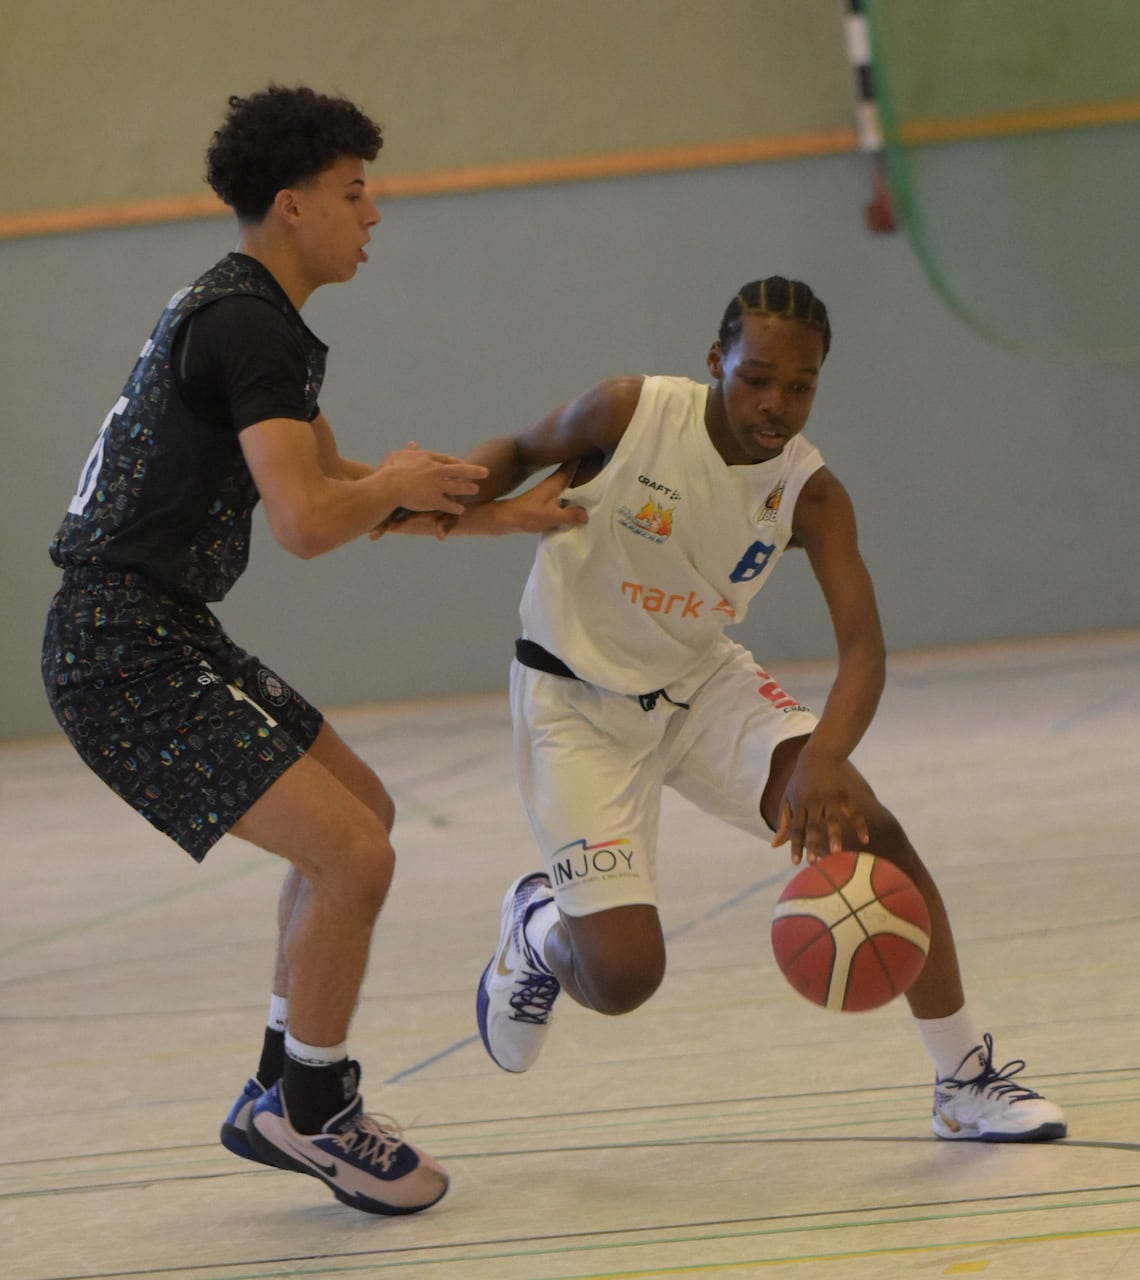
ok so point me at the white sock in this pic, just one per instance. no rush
(537, 930)
(278, 1013)
(949, 1040)
(311, 1055)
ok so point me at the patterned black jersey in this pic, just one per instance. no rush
(166, 491)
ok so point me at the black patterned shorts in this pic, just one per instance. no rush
(189, 729)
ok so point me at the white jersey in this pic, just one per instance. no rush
(678, 542)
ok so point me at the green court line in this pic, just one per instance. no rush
(767, 1136)
(375, 1265)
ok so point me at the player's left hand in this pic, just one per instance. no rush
(542, 508)
(824, 804)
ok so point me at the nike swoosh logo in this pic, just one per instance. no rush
(952, 1125)
(327, 1170)
(501, 968)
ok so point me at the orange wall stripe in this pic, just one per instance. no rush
(584, 168)
(529, 173)
(450, 181)
(1089, 115)
(98, 217)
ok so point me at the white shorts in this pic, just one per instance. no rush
(591, 764)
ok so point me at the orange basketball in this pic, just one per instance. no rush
(851, 931)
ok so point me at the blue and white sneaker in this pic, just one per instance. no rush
(233, 1133)
(363, 1159)
(517, 992)
(990, 1106)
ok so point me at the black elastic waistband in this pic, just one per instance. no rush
(97, 577)
(83, 575)
(534, 655)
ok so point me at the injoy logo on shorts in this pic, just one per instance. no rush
(581, 861)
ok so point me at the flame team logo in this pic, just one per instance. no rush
(652, 521)
(767, 513)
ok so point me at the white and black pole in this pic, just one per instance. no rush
(879, 212)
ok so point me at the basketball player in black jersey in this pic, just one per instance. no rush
(221, 410)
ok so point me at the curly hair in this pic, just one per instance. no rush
(279, 138)
(775, 296)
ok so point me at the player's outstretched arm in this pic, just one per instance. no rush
(822, 794)
(587, 428)
(540, 509)
(311, 512)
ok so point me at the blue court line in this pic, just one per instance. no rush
(675, 932)
(728, 904)
(1092, 713)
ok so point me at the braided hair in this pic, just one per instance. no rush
(774, 296)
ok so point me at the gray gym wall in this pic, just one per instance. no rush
(996, 491)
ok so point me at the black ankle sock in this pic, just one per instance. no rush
(313, 1095)
(272, 1062)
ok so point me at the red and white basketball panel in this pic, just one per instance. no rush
(851, 932)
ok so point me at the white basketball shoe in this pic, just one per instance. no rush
(990, 1106)
(517, 991)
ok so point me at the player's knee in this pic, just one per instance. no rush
(365, 869)
(626, 990)
(618, 957)
(386, 808)
(376, 797)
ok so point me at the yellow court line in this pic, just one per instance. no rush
(704, 1268)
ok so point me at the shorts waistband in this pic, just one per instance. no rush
(534, 655)
(98, 576)
(531, 654)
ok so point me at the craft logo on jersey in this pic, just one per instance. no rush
(581, 861)
(652, 521)
(768, 512)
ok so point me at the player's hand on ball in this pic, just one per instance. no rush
(433, 481)
(823, 802)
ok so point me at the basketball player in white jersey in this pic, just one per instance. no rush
(624, 682)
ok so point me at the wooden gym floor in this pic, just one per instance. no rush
(726, 1129)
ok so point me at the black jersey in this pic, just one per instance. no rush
(166, 491)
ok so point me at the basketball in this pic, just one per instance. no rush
(851, 932)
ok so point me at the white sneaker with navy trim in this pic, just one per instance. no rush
(517, 992)
(363, 1159)
(990, 1106)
